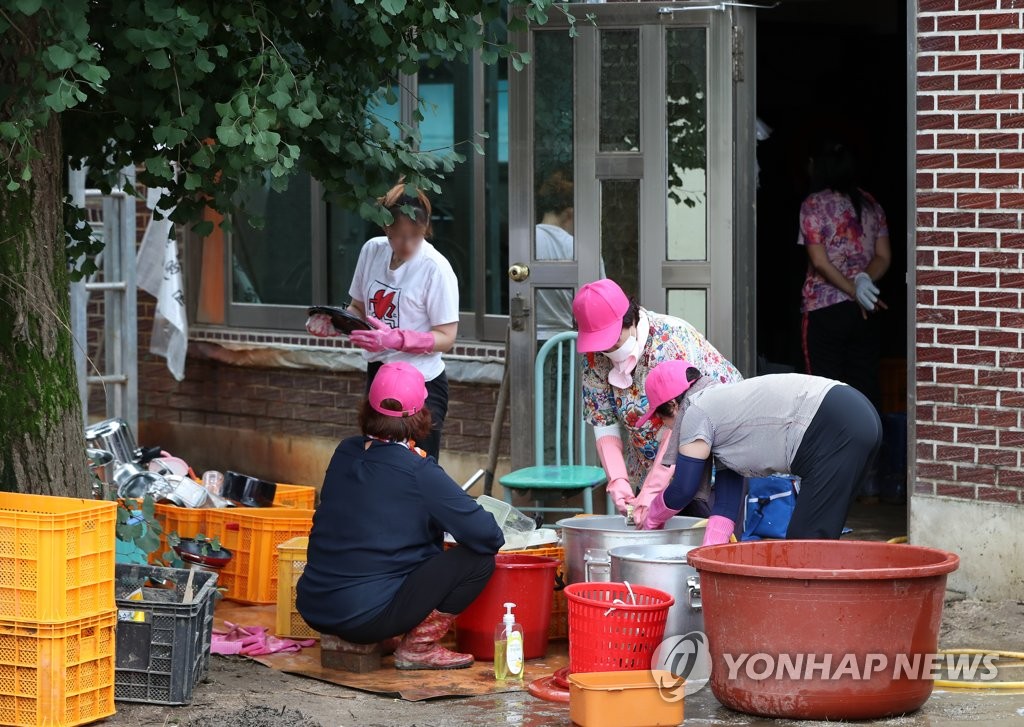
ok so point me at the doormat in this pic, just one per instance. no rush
(412, 686)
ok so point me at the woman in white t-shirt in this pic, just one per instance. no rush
(407, 291)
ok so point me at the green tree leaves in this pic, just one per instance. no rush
(213, 97)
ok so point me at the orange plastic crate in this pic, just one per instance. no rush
(558, 628)
(302, 497)
(252, 535)
(56, 557)
(185, 522)
(57, 674)
(291, 561)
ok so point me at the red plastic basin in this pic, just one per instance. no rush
(527, 581)
(793, 605)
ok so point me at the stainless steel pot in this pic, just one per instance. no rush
(115, 436)
(587, 541)
(663, 567)
(186, 492)
(133, 481)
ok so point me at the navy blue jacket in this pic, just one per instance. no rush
(382, 513)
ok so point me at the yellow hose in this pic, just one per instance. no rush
(981, 686)
(897, 541)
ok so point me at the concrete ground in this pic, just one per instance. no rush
(241, 693)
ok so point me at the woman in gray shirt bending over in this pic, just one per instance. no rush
(822, 431)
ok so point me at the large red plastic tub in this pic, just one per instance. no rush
(525, 580)
(776, 611)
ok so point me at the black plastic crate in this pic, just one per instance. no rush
(163, 644)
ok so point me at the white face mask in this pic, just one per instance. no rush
(622, 352)
(623, 360)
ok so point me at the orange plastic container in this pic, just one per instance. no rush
(252, 534)
(185, 522)
(302, 497)
(291, 561)
(836, 601)
(625, 699)
(56, 557)
(57, 674)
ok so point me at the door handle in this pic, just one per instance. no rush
(518, 272)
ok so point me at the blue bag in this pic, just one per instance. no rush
(770, 505)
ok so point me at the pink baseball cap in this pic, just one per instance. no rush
(598, 308)
(402, 382)
(666, 381)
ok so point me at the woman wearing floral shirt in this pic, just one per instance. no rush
(847, 239)
(621, 342)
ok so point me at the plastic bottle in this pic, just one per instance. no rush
(508, 648)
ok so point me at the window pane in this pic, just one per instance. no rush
(620, 90)
(347, 231)
(554, 311)
(346, 234)
(620, 231)
(388, 113)
(560, 398)
(273, 265)
(495, 182)
(691, 306)
(446, 101)
(553, 149)
(687, 143)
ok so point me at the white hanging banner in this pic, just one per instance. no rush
(159, 274)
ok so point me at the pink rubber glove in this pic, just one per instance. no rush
(658, 478)
(319, 324)
(657, 514)
(718, 531)
(609, 451)
(384, 338)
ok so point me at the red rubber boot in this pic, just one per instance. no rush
(420, 649)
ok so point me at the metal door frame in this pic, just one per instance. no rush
(730, 186)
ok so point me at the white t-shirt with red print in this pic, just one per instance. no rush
(422, 293)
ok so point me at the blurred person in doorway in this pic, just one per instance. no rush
(846, 236)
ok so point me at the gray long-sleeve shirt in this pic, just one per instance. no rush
(755, 426)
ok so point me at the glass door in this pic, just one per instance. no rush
(622, 166)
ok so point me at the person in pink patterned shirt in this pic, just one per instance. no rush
(621, 343)
(847, 239)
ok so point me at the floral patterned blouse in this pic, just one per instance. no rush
(605, 405)
(828, 218)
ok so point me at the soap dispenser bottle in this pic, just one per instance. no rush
(508, 648)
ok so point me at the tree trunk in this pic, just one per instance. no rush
(42, 445)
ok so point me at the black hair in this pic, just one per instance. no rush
(632, 314)
(834, 166)
(670, 407)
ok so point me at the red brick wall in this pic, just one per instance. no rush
(296, 402)
(970, 114)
